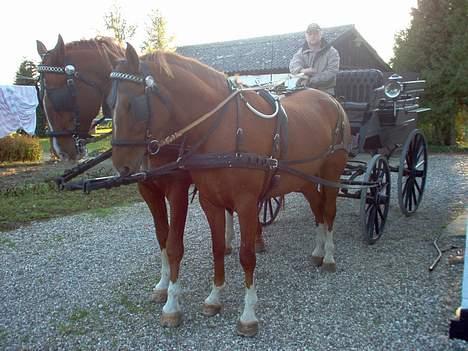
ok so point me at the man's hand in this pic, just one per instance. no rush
(308, 71)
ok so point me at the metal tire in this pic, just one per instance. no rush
(412, 172)
(375, 201)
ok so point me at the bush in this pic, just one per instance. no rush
(22, 148)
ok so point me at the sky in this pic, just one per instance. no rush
(192, 22)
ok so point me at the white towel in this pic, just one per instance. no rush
(18, 105)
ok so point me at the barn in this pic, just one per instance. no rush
(267, 58)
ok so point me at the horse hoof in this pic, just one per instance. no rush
(260, 247)
(329, 267)
(159, 296)
(247, 329)
(211, 310)
(227, 251)
(317, 261)
(171, 320)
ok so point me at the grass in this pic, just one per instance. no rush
(44, 202)
(93, 148)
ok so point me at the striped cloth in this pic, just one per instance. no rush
(17, 109)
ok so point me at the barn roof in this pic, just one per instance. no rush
(268, 54)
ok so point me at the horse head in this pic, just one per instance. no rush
(141, 110)
(154, 96)
(74, 83)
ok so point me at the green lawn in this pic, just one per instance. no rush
(43, 201)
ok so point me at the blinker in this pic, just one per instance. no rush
(139, 107)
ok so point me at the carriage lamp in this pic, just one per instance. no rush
(393, 88)
(69, 70)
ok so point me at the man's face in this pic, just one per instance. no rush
(313, 38)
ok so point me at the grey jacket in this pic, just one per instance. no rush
(326, 62)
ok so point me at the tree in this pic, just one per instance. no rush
(156, 33)
(117, 24)
(26, 74)
(435, 45)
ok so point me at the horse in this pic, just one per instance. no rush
(74, 85)
(187, 98)
(92, 62)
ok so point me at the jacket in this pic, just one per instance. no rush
(326, 62)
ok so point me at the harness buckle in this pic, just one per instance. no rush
(273, 163)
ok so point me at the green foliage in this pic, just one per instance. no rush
(18, 147)
(436, 45)
(115, 22)
(156, 34)
(26, 74)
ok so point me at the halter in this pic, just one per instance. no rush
(140, 105)
(64, 99)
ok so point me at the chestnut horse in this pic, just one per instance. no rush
(177, 91)
(92, 61)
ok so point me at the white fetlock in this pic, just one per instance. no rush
(163, 283)
(213, 305)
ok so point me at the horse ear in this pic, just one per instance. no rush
(59, 49)
(41, 48)
(132, 58)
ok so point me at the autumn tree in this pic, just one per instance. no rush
(156, 33)
(115, 22)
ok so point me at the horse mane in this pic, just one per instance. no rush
(107, 47)
(166, 59)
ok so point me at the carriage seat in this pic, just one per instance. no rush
(355, 90)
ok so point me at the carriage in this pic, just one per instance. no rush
(383, 117)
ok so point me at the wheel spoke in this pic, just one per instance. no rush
(270, 207)
(418, 187)
(264, 212)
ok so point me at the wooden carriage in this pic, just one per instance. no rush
(383, 116)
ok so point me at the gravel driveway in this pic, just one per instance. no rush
(83, 281)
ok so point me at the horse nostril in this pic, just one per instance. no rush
(124, 171)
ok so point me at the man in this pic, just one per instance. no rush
(317, 60)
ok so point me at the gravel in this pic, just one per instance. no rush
(83, 281)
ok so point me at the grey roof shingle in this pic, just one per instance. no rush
(268, 54)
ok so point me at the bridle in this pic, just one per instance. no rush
(140, 105)
(63, 99)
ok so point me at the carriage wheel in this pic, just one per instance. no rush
(375, 201)
(269, 210)
(412, 172)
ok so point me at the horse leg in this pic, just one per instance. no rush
(248, 220)
(154, 198)
(229, 232)
(259, 242)
(331, 170)
(329, 264)
(315, 198)
(177, 195)
(216, 220)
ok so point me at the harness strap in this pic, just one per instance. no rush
(259, 162)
